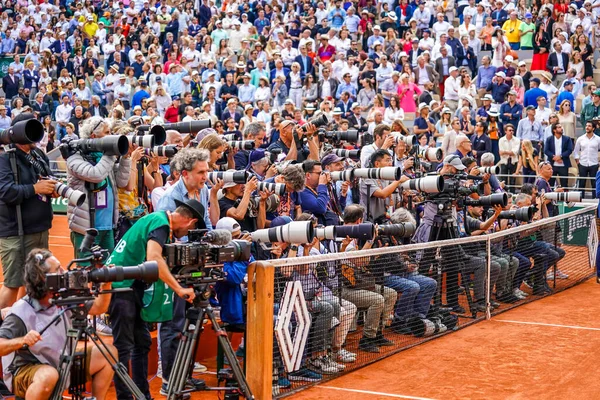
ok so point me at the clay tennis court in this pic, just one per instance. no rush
(541, 350)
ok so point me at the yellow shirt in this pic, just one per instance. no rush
(91, 28)
(511, 29)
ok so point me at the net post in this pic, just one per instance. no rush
(488, 287)
(259, 328)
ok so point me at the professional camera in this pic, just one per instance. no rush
(350, 136)
(75, 197)
(567, 197)
(109, 145)
(431, 154)
(294, 232)
(346, 175)
(242, 144)
(276, 188)
(145, 141)
(523, 214)
(351, 154)
(181, 127)
(386, 173)
(230, 176)
(206, 248)
(282, 165)
(319, 121)
(273, 155)
(161, 151)
(271, 205)
(496, 199)
(402, 230)
(23, 132)
(455, 187)
(230, 137)
(326, 232)
(410, 140)
(428, 184)
(495, 170)
(364, 231)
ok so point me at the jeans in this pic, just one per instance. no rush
(585, 172)
(132, 339)
(417, 292)
(515, 46)
(522, 270)
(377, 305)
(62, 131)
(170, 334)
(509, 266)
(555, 254)
(509, 169)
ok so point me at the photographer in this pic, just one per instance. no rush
(98, 175)
(290, 203)
(130, 311)
(31, 372)
(359, 288)
(235, 204)
(291, 143)
(381, 192)
(25, 211)
(255, 131)
(340, 193)
(315, 196)
(382, 140)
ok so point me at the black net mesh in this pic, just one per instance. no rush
(335, 313)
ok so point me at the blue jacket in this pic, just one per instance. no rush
(565, 95)
(56, 47)
(565, 152)
(316, 204)
(138, 97)
(29, 77)
(531, 96)
(229, 292)
(516, 111)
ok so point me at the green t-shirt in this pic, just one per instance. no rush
(527, 39)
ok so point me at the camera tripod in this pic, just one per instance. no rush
(73, 362)
(443, 228)
(186, 352)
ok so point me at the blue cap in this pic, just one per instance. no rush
(528, 15)
(569, 82)
(158, 79)
(175, 98)
(256, 155)
(279, 221)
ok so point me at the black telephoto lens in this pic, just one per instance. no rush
(23, 132)
(147, 272)
(397, 230)
(182, 127)
(364, 231)
(109, 145)
(523, 214)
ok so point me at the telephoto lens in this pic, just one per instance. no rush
(365, 231)
(350, 136)
(229, 137)
(387, 173)
(276, 188)
(346, 175)
(402, 230)
(242, 144)
(496, 199)
(162, 151)
(181, 127)
(159, 133)
(351, 154)
(109, 145)
(147, 272)
(410, 140)
(523, 214)
(230, 176)
(318, 121)
(294, 232)
(23, 132)
(495, 170)
(75, 197)
(326, 232)
(567, 197)
(271, 205)
(432, 154)
(145, 141)
(428, 184)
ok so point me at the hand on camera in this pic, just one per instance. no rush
(276, 250)
(345, 242)
(388, 142)
(309, 128)
(137, 154)
(216, 185)
(45, 186)
(497, 210)
(409, 163)
(187, 294)
(271, 172)
(251, 185)
(247, 237)
(264, 195)
(31, 338)
(344, 188)
(324, 178)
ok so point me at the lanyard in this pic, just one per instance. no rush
(170, 226)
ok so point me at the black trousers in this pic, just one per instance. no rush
(563, 173)
(587, 172)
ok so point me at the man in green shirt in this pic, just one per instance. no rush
(144, 241)
(526, 31)
(591, 111)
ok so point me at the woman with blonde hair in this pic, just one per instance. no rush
(216, 146)
(528, 162)
(378, 105)
(567, 118)
(577, 64)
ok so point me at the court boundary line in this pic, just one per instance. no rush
(587, 328)
(397, 396)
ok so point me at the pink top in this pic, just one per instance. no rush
(520, 94)
(407, 100)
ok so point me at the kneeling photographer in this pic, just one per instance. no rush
(25, 207)
(129, 311)
(31, 358)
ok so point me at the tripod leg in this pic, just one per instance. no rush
(230, 354)
(183, 365)
(66, 361)
(120, 370)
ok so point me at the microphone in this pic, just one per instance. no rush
(218, 237)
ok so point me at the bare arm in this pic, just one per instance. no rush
(154, 253)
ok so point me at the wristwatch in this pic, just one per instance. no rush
(294, 247)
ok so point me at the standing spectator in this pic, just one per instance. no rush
(529, 128)
(509, 147)
(511, 111)
(585, 154)
(406, 93)
(481, 142)
(567, 118)
(558, 149)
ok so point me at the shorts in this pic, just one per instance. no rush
(24, 376)
(13, 259)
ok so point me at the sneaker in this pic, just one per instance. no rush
(517, 293)
(339, 366)
(240, 352)
(193, 383)
(381, 340)
(159, 371)
(284, 383)
(324, 365)
(345, 356)
(368, 345)
(561, 275)
(550, 276)
(528, 282)
(102, 328)
(199, 368)
(522, 293)
(164, 390)
(304, 375)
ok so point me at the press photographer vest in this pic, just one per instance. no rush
(131, 250)
(48, 350)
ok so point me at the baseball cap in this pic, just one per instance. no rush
(280, 221)
(330, 159)
(452, 69)
(596, 92)
(536, 80)
(454, 161)
(488, 97)
(569, 82)
(501, 74)
(228, 224)
(528, 15)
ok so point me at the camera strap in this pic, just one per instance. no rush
(12, 155)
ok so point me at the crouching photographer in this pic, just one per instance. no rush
(25, 208)
(30, 358)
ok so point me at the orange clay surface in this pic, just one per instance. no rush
(487, 360)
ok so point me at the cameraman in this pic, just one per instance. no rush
(31, 372)
(382, 141)
(315, 196)
(25, 211)
(255, 131)
(290, 134)
(290, 203)
(128, 311)
(98, 175)
(380, 190)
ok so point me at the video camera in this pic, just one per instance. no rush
(75, 281)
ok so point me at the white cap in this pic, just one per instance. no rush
(509, 58)
(377, 27)
(452, 69)
(228, 224)
(501, 74)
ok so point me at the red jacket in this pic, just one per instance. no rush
(172, 114)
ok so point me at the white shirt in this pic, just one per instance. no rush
(325, 89)
(586, 150)
(513, 146)
(542, 116)
(63, 113)
(451, 88)
(441, 27)
(558, 150)
(288, 56)
(122, 91)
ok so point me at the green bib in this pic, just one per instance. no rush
(131, 250)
